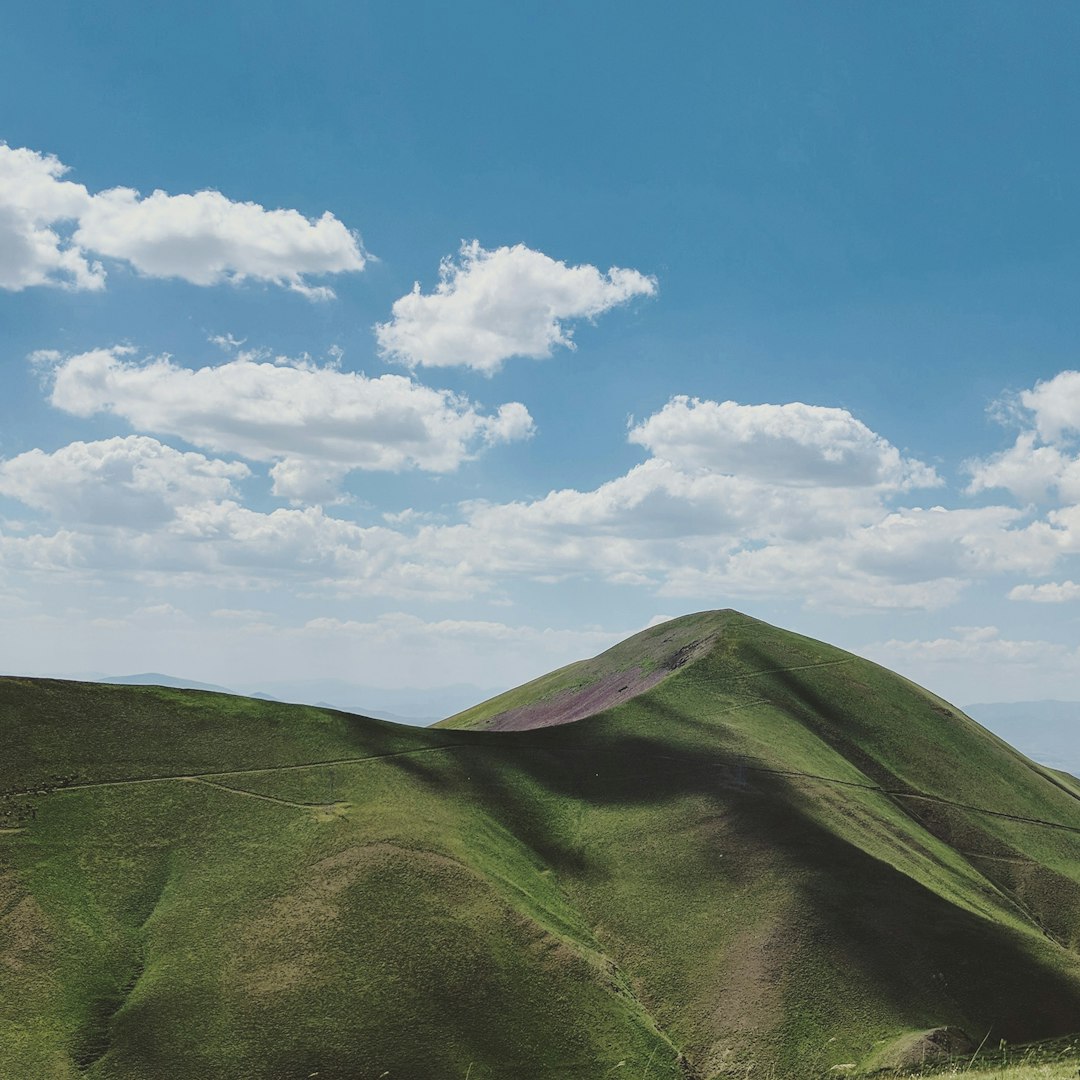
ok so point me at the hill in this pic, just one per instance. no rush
(751, 854)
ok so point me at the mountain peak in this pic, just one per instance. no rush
(632, 667)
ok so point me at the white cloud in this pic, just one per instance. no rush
(678, 528)
(1043, 462)
(979, 663)
(982, 645)
(1050, 592)
(1055, 406)
(789, 444)
(227, 546)
(923, 544)
(315, 423)
(301, 480)
(204, 238)
(33, 199)
(757, 500)
(135, 482)
(1030, 471)
(65, 550)
(244, 615)
(493, 305)
(909, 558)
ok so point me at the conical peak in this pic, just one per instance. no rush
(629, 668)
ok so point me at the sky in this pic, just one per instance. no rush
(422, 344)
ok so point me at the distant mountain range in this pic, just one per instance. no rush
(156, 678)
(405, 706)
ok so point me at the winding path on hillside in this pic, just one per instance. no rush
(208, 778)
(329, 806)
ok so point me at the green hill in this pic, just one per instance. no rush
(751, 855)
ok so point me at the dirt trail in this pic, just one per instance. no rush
(167, 777)
(259, 795)
(782, 670)
(997, 858)
(982, 810)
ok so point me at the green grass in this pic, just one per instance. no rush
(776, 860)
(1050, 1060)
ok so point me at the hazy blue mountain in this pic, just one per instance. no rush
(156, 678)
(409, 706)
(405, 706)
(1047, 731)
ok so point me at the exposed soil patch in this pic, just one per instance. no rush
(575, 704)
(23, 928)
(921, 1048)
(750, 994)
(570, 705)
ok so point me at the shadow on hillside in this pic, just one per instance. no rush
(868, 924)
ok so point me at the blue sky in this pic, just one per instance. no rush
(770, 306)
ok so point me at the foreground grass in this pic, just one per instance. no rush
(1055, 1071)
(1052, 1060)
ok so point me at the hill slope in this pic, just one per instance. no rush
(767, 853)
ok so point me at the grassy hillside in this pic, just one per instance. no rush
(769, 859)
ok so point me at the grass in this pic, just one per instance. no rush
(1050, 1060)
(767, 864)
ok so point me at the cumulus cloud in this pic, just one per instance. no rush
(315, 423)
(1043, 463)
(979, 663)
(708, 519)
(1050, 592)
(905, 559)
(937, 542)
(206, 239)
(691, 521)
(714, 537)
(789, 444)
(492, 305)
(51, 228)
(166, 541)
(33, 200)
(135, 482)
(1030, 471)
(1055, 406)
(740, 499)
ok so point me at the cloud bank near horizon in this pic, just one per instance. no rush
(731, 500)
